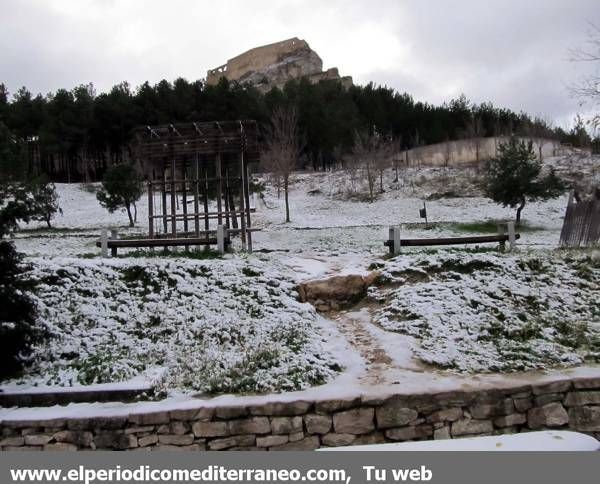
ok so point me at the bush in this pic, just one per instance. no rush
(17, 312)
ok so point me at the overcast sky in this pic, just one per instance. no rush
(511, 52)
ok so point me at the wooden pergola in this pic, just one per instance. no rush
(198, 180)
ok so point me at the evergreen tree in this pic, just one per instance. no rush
(121, 188)
(18, 329)
(515, 177)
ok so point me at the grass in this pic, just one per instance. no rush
(201, 254)
(490, 227)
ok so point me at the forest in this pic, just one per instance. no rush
(75, 135)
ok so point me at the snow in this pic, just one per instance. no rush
(546, 441)
(220, 330)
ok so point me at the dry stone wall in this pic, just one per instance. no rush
(306, 425)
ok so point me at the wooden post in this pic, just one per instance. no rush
(221, 238)
(164, 202)
(394, 238)
(512, 239)
(150, 210)
(196, 197)
(501, 232)
(113, 236)
(173, 201)
(206, 220)
(184, 201)
(104, 243)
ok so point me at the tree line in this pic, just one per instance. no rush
(75, 135)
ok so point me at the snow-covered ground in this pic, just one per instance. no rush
(234, 325)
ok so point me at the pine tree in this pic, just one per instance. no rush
(515, 177)
(121, 188)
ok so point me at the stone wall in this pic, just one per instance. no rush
(305, 425)
(464, 152)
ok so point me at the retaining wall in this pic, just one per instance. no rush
(305, 425)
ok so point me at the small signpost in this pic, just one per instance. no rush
(423, 213)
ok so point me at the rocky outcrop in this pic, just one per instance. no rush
(273, 65)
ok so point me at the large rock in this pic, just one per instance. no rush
(392, 414)
(115, 440)
(355, 421)
(285, 425)
(235, 441)
(551, 415)
(345, 289)
(317, 424)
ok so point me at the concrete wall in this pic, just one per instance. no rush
(464, 152)
(255, 59)
(304, 425)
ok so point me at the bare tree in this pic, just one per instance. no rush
(540, 132)
(282, 148)
(588, 89)
(474, 132)
(447, 153)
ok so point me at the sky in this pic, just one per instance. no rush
(514, 53)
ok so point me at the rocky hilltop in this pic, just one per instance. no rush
(273, 65)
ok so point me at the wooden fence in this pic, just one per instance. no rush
(581, 227)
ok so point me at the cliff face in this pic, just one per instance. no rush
(274, 64)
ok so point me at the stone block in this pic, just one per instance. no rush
(547, 398)
(296, 436)
(104, 423)
(337, 405)
(178, 448)
(554, 387)
(579, 399)
(252, 425)
(410, 433)
(60, 447)
(355, 421)
(442, 433)
(115, 440)
(447, 415)
(155, 418)
(271, 440)
(37, 439)
(281, 409)
(231, 412)
(393, 414)
(210, 429)
(139, 430)
(587, 383)
(511, 420)
(551, 415)
(523, 404)
(148, 440)
(78, 437)
(286, 425)
(179, 428)
(584, 419)
(172, 439)
(12, 441)
(337, 440)
(234, 441)
(308, 443)
(370, 439)
(471, 427)
(317, 424)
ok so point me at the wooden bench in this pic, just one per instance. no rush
(205, 238)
